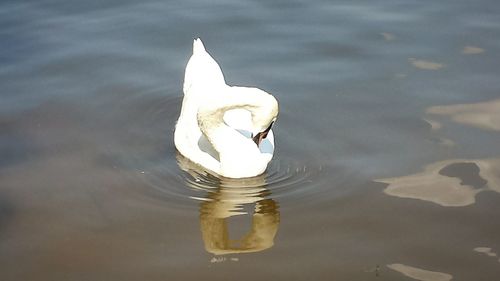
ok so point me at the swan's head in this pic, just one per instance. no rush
(258, 137)
(265, 117)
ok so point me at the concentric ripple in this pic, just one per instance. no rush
(145, 151)
(282, 179)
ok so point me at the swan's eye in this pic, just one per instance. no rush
(262, 135)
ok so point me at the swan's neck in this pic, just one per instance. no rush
(237, 152)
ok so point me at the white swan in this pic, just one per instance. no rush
(225, 129)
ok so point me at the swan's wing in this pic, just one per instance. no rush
(202, 70)
(186, 140)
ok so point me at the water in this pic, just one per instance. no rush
(387, 164)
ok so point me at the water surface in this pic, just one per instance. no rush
(388, 144)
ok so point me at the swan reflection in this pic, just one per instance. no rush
(227, 198)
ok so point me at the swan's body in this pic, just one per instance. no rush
(217, 121)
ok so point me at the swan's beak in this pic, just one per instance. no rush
(262, 135)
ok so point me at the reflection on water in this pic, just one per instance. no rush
(472, 50)
(425, 64)
(454, 182)
(485, 250)
(420, 274)
(450, 183)
(388, 36)
(435, 125)
(228, 198)
(214, 217)
(483, 115)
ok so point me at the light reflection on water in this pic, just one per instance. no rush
(448, 190)
(461, 185)
(483, 115)
(420, 274)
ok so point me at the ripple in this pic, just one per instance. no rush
(283, 179)
(146, 153)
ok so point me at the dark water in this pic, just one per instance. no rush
(388, 142)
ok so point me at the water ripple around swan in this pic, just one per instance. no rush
(147, 153)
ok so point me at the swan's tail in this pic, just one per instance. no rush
(198, 46)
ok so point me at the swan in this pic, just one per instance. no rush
(225, 129)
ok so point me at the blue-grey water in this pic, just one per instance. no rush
(388, 141)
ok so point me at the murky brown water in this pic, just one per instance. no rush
(388, 142)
